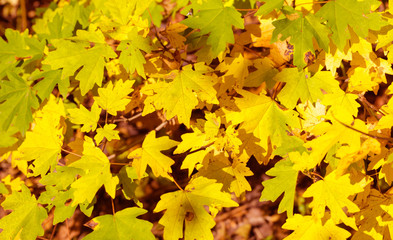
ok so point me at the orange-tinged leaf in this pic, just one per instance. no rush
(150, 154)
(185, 209)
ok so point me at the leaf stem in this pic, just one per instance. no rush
(69, 152)
(113, 207)
(316, 174)
(177, 184)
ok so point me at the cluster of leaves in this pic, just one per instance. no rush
(90, 66)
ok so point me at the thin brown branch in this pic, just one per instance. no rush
(128, 119)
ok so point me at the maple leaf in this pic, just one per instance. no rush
(310, 227)
(231, 175)
(58, 199)
(217, 20)
(343, 105)
(83, 116)
(19, 45)
(180, 97)
(26, 217)
(330, 135)
(302, 31)
(150, 154)
(123, 225)
(185, 209)
(343, 13)
(268, 6)
(107, 132)
(129, 180)
(325, 193)
(114, 98)
(96, 168)
(50, 79)
(302, 85)
(375, 218)
(131, 52)
(261, 115)
(284, 182)
(70, 56)
(43, 143)
(16, 102)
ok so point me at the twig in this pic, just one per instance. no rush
(128, 119)
(24, 14)
(161, 126)
(53, 232)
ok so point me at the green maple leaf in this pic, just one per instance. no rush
(284, 182)
(180, 97)
(150, 154)
(49, 80)
(26, 217)
(58, 199)
(19, 45)
(131, 55)
(185, 209)
(269, 6)
(16, 102)
(302, 85)
(217, 20)
(70, 56)
(83, 116)
(123, 225)
(96, 167)
(302, 31)
(128, 178)
(114, 98)
(343, 13)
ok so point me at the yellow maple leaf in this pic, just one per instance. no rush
(185, 209)
(150, 154)
(261, 116)
(43, 143)
(83, 116)
(311, 228)
(333, 192)
(114, 98)
(180, 96)
(107, 132)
